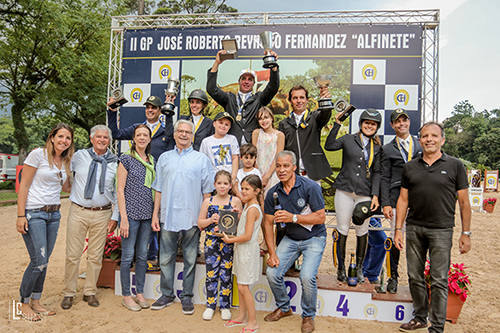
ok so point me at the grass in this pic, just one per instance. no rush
(4, 196)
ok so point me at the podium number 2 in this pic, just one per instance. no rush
(343, 305)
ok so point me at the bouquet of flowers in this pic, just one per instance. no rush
(458, 280)
(113, 247)
(490, 201)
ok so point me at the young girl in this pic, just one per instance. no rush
(269, 142)
(218, 254)
(246, 252)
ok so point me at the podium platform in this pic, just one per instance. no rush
(334, 299)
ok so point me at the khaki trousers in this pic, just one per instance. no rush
(83, 222)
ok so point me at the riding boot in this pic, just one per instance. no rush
(361, 246)
(341, 244)
(392, 283)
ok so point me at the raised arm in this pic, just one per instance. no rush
(332, 143)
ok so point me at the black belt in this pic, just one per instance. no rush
(107, 207)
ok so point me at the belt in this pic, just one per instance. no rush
(50, 208)
(107, 207)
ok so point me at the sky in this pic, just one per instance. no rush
(469, 42)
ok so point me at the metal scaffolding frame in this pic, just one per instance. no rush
(427, 19)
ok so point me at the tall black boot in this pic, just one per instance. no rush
(392, 283)
(341, 244)
(361, 246)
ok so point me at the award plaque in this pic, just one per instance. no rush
(173, 83)
(231, 48)
(342, 106)
(117, 94)
(323, 81)
(228, 223)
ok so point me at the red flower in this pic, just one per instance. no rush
(113, 247)
(458, 280)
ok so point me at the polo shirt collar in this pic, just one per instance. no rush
(298, 183)
(443, 157)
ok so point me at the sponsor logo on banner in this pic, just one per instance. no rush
(366, 71)
(262, 294)
(371, 311)
(165, 72)
(401, 96)
(369, 72)
(320, 304)
(136, 94)
(161, 71)
(157, 289)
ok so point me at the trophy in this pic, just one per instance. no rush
(323, 81)
(117, 94)
(168, 109)
(342, 106)
(231, 48)
(266, 39)
(228, 223)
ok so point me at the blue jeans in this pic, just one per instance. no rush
(168, 254)
(375, 254)
(288, 251)
(40, 240)
(438, 243)
(137, 241)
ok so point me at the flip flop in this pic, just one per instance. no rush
(45, 313)
(233, 323)
(249, 330)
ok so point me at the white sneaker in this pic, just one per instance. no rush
(225, 314)
(208, 314)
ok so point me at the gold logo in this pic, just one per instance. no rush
(228, 222)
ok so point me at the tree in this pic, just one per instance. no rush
(53, 57)
(193, 7)
(473, 136)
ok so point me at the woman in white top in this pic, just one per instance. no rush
(44, 176)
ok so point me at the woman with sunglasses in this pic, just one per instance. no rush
(45, 174)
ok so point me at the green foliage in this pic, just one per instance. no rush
(53, 61)
(193, 7)
(7, 185)
(473, 136)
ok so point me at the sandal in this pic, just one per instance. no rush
(233, 323)
(244, 330)
(45, 313)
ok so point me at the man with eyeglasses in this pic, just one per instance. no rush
(93, 196)
(184, 178)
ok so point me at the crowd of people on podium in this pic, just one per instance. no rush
(178, 178)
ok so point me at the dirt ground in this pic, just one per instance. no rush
(481, 311)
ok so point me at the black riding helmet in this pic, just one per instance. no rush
(198, 94)
(370, 114)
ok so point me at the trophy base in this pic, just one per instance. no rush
(347, 113)
(269, 62)
(325, 104)
(118, 102)
(168, 109)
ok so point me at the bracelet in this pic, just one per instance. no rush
(398, 229)
(18, 216)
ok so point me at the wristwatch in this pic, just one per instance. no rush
(294, 218)
(468, 233)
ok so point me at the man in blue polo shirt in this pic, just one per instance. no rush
(303, 213)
